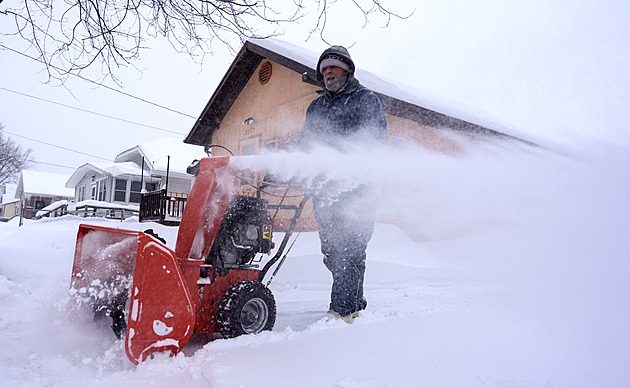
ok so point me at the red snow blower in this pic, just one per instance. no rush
(211, 283)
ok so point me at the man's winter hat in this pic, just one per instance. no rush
(333, 60)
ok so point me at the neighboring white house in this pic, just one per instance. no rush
(9, 203)
(122, 181)
(37, 189)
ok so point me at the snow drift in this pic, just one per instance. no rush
(507, 267)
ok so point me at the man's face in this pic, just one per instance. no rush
(334, 78)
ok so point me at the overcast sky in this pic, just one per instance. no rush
(558, 70)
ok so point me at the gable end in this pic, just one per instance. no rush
(237, 76)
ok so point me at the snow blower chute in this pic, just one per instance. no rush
(156, 297)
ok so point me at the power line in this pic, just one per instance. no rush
(100, 84)
(54, 165)
(56, 146)
(89, 111)
(85, 110)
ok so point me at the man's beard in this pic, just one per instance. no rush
(335, 84)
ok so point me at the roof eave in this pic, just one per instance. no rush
(435, 119)
(79, 173)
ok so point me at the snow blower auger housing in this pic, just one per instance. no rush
(156, 297)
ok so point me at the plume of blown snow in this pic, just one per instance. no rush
(427, 194)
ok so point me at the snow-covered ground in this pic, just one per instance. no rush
(508, 268)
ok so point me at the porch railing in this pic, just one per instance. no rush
(89, 209)
(162, 206)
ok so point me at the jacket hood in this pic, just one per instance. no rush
(343, 53)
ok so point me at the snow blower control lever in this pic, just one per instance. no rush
(210, 283)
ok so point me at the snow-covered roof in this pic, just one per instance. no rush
(114, 169)
(392, 88)
(44, 183)
(399, 99)
(157, 151)
(369, 79)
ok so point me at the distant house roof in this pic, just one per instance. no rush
(114, 169)
(398, 99)
(156, 155)
(43, 183)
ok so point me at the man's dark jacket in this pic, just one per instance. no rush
(355, 112)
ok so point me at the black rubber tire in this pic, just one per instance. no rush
(247, 308)
(110, 300)
(119, 321)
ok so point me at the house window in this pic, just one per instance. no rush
(150, 186)
(134, 195)
(99, 190)
(120, 190)
(102, 190)
(248, 149)
(81, 193)
(272, 145)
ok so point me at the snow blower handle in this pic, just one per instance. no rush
(285, 241)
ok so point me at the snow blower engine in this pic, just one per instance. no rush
(245, 231)
(210, 283)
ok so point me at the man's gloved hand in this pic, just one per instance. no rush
(193, 168)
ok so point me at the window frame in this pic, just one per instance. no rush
(133, 194)
(81, 193)
(119, 190)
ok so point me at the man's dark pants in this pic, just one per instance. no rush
(345, 226)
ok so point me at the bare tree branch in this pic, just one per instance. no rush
(12, 159)
(367, 7)
(74, 35)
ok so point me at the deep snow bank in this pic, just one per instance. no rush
(518, 279)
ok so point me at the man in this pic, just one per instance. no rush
(346, 114)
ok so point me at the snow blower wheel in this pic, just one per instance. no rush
(247, 308)
(110, 301)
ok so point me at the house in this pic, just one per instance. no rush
(152, 166)
(263, 97)
(37, 189)
(9, 204)
(262, 100)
